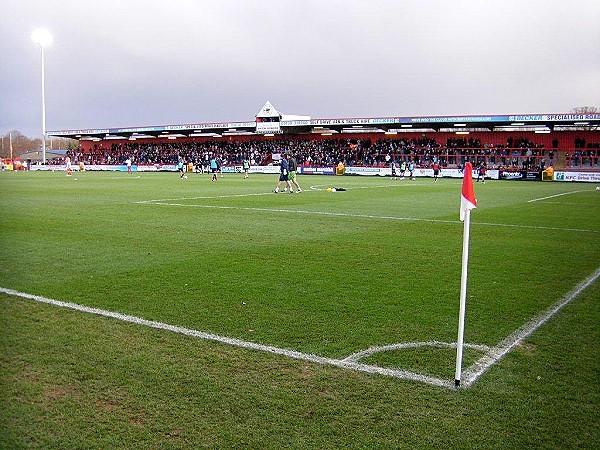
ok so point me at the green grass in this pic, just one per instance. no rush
(323, 273)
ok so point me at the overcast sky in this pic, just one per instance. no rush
(120, 63)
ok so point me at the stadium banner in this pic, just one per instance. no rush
(146, 168)
(264, 169)
(268, 127)
(521, 175)
(53, 167)
(494, 174)
(295, 121)
(589, 177)
(381, 171)
(316, 170)
(94, 167)
(444, 173)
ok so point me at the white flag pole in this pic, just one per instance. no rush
(463, 298)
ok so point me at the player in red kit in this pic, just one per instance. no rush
(436, 170)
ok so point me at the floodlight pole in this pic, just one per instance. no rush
(43, 110)
(43, 39)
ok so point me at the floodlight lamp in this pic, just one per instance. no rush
(42, 37)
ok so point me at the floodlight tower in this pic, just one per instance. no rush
(44, 39)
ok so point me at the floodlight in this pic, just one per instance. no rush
(42, 37)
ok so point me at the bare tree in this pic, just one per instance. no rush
(17, 141)
(21, 144)
(585, 110)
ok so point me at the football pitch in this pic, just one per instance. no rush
(297, 309)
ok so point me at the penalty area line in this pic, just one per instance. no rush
(554, 196)
(160, 202)
(359, 216)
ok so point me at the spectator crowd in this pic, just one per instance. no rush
(516, 152)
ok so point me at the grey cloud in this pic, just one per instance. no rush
(150, 62)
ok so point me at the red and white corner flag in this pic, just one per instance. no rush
(467, 203)
(467, 199)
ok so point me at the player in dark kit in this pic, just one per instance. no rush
(283, 176)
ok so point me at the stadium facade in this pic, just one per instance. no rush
(515, 146)
(270, 122)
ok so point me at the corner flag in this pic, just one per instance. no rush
(467, 199)
(467, 203)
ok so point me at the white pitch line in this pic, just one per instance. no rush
(311, 188)
(361, 216)
(556, 195)
(158, 202)
(323, 187)
(471, 374)
(301, 211)
(384, 348)
(535, 227)
(571, 204)
(340, 363)
(124, 177)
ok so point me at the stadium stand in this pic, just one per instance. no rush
(514, 151)
(520, 141)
